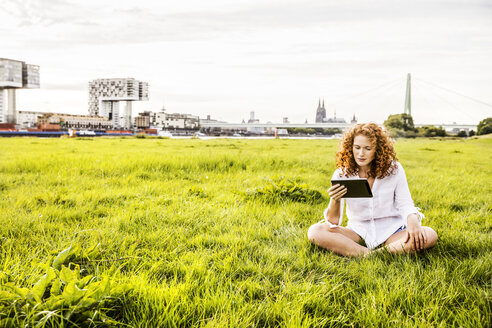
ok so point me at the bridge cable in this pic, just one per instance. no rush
(389, 101)
(455, 92)
(349, 98)
(418, 95)
(360, 100)
(453, 106)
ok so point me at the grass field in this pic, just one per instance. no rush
(182, 233)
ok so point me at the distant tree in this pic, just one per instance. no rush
(411, 134)
(485, 126)
(400, 122)
(300, 131)
(462, 134)
(400, 126)
(431, 131)
(471, 133)
(331, 131)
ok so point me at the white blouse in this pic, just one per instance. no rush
(376, 219)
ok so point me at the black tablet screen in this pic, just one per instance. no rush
(356, 188)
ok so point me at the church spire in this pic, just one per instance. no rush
(323, 102)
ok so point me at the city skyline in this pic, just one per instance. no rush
(276, 58)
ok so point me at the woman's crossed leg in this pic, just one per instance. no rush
(346, 242)
(340, 240)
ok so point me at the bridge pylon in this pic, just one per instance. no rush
(408, 97)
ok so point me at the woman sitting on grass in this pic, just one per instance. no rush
(389, 217)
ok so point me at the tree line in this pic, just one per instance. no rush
(401, 126)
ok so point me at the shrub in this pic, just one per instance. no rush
(431, 131)
(196, 191)
(64, 295)
(395, 133)
(282, 190)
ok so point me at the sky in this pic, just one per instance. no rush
(226, 58)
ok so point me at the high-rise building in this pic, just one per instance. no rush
(252, 118)
(14, 74)
(105, 95)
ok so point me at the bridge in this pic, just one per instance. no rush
(450, 126)
(232, 126)
(341, 126)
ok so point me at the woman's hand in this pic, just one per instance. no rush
(337, 191)
(416, 236)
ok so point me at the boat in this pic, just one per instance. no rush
(164, 133)
(85, 133)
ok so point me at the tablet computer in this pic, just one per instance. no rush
(356, 188)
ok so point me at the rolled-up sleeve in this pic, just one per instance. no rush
(403, 198)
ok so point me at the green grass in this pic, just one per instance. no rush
(181, 233)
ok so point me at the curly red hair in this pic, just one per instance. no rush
(384, 162)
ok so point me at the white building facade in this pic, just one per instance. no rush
(165, 121)
(28, 119)
(70, 121)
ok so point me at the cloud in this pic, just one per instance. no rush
(41, 13)
(75, 23)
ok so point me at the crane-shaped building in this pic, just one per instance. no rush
(14, 74)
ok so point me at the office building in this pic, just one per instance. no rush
(28, 119)
(14, 74)
(163, 120)
(142, 121)
(105, 96)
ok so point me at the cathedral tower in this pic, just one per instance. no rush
(320, 112)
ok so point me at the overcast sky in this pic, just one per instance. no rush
(275, 57)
